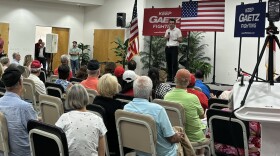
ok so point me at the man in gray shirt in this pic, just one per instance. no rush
(17, 112)
(74, 53)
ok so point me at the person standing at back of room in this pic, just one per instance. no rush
(74, 53)
(174, 37)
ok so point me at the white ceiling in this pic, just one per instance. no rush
(76, 2)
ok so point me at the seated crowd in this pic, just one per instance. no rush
(86, 131)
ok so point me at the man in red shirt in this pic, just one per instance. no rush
(93, 74)
(201, 96)
(64, 60)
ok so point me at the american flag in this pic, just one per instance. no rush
(203, 15)
(133, 44)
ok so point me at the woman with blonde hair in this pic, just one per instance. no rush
(84, 130)
(27, 60)
(107, 87)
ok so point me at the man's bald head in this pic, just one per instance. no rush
(182, 78)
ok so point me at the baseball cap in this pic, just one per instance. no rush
(93, 65)
(11, 76)
(36, 64)
(192, 80)
(119, 70)
(129, 76)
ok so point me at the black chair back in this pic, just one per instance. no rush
(54, 89)
(99, 109)
(225, 129)
(74, 79)
(122, 96)
(222, 102)
(46, 140)
(42, 76)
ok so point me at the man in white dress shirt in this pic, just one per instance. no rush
(174, 37)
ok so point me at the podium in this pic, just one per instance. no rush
(262, 105)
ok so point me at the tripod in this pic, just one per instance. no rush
(271, 30)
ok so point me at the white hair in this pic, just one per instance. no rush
(142, 87)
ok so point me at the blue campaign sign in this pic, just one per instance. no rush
(250, 20)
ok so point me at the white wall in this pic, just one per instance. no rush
(24, 16)
(104, 17)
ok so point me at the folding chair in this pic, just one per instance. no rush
(75, 80)
(54, 89)
(46, 140)
(217, 103)
(30, 93)
(4, 139)
(53, 78)
(26, 72)
(123, 98)
(136, 131)
(91, 94)
(226, 129)
(42, 76)
(100, 111)
(177, 117)
(175, 112)
(51, 108)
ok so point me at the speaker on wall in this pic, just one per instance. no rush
(121, 19)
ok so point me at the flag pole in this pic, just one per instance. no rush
(214, 68)
(239, 55)
(258, 53)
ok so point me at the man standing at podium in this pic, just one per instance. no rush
(174, 37)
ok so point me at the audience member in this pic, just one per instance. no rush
(119, 70)
(93, 74)
(159, 89)
(201, 96)
(84, 130)
(194, 127)
(199, 75)
(27, 61)
(110, 67)
(40, 53)
(82, 73)
(63, 74)
(35, 72)
(131, 65)
(64, 59)
(128, 78)
(74, 53)
(17, 112)
(166, 137)
(107, 87)
(5, 61)
(16, 58)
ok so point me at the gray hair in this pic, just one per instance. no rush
(77, 97)
(93, 72)
(142, 87)
(15, 55)
(35, 70)
(4, 60)
(64, 59)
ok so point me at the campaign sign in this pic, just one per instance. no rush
(250, 20)
(156, 20)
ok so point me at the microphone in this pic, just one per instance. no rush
(169, 36)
